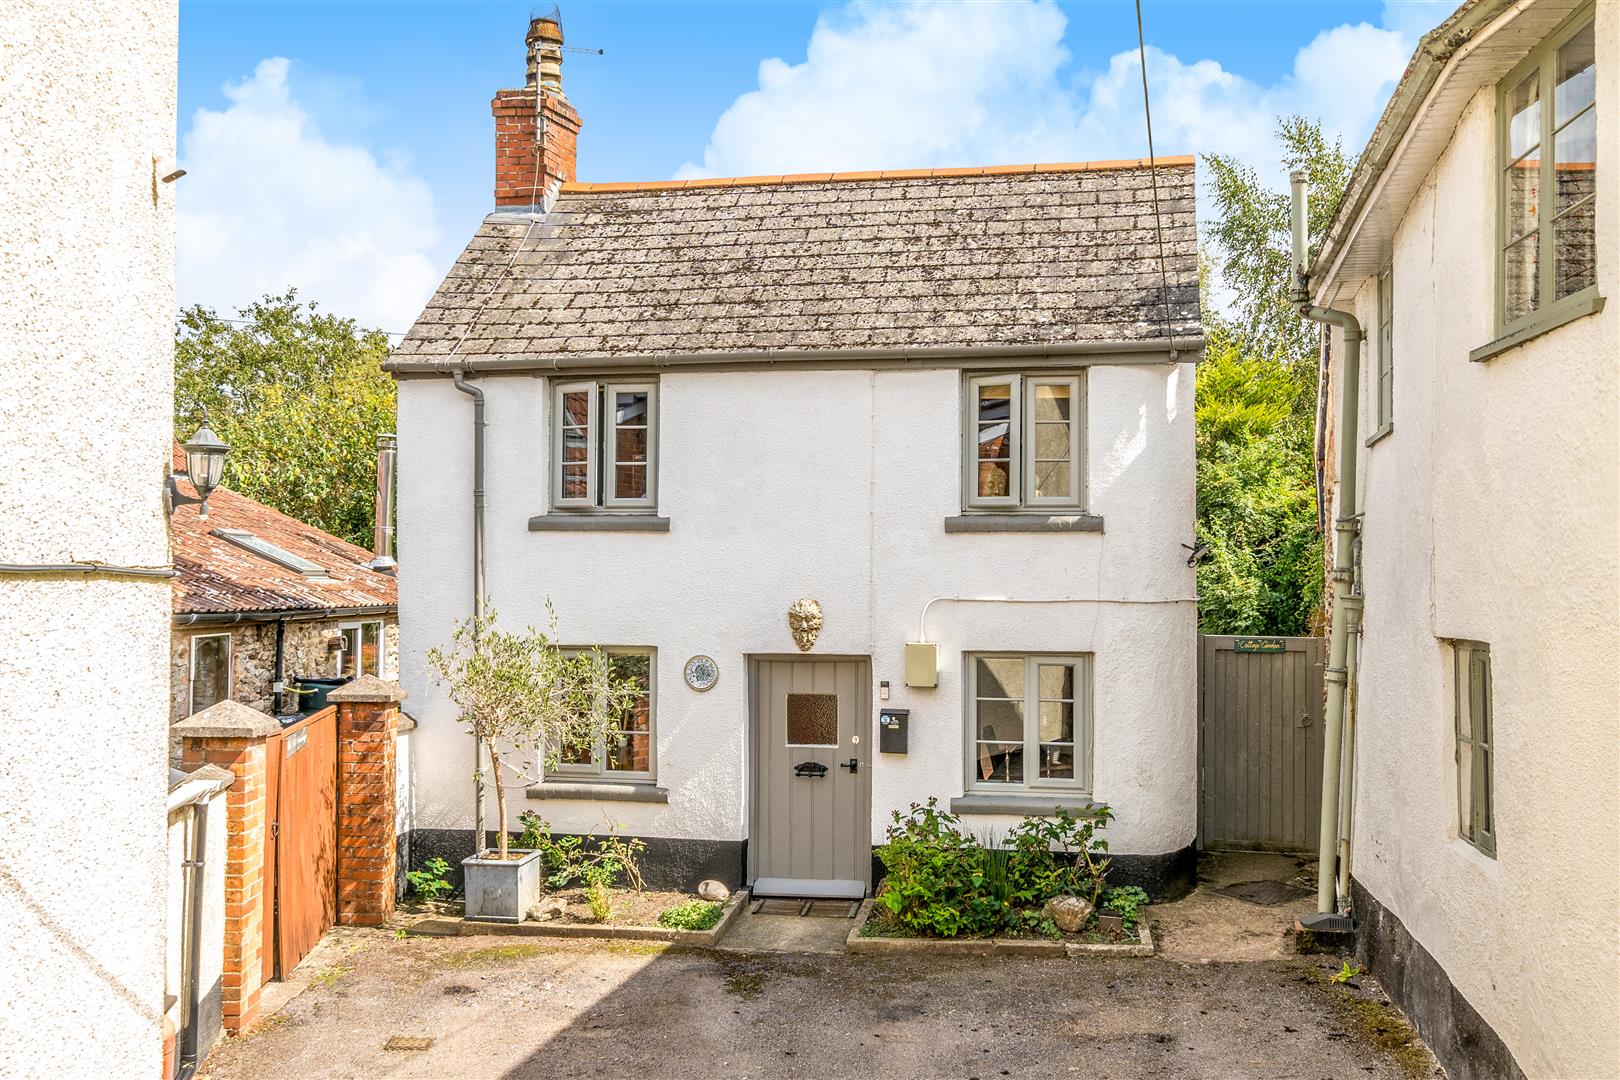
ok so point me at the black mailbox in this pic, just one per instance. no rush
(892, 725)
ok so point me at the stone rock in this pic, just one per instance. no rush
(1069, 912)
(547, 910)
(714, 890)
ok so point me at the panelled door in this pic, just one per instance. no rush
(812, 778)
(301, 896)
(1260, 742)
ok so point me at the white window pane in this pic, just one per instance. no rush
(1052, 479)
(1057, 682)
(576, 408)
(1575, 75)
(1057, 721)
(1524, 108)
(1000, 677)
(1057, 762)
(1052, 403)
(1465, 775)
(1523, 187)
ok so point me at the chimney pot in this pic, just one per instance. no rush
(536, 129)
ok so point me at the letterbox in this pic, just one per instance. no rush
(892, 724)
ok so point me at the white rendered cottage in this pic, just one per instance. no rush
(1478, 247)
(951, 407)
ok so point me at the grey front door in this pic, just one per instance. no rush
(812, 782)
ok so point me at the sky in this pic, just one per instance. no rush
(347, 148)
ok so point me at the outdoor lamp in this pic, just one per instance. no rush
(205, 463)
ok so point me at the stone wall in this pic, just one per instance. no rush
(308, 650)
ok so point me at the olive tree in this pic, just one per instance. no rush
(527, 700)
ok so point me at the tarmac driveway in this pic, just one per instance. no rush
(495, 1007)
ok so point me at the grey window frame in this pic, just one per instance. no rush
(1084, 723)
(1021, 497)
(601, 496)
(595, 770)
(191, 669)
(1551, 311)
(1383, 382)
(359, 627)
(1473, 728)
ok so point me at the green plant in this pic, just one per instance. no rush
(432, 881)
(1059, 855)
(692, 915)
(598, 898)
(1127, 901)
(1346, 972)
(401, 934)
(934, 874)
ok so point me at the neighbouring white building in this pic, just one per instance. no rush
(86, 329)
(951, 407)
(1478, 245)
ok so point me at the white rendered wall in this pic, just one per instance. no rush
(86, 331)
(833, 485)
(1492, 512)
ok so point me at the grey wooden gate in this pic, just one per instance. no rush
(1260, 742)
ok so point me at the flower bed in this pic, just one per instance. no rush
(1035, 891)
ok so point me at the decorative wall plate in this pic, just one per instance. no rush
(702, 672)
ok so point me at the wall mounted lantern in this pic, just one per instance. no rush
(205, 463)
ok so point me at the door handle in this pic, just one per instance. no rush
(853, 765)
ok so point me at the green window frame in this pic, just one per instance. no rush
(1384, 384)
(1474, 745)
(1546, 257)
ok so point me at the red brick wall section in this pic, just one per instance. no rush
(517, 182)
(246, 835)
(366, 851)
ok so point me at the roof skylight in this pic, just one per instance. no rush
(266, 550)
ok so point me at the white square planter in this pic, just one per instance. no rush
(500, 891)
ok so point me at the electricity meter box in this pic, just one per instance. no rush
(922, 664)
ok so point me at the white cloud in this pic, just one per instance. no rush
(931, 84)
(268, 202)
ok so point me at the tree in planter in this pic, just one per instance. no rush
(527, 701)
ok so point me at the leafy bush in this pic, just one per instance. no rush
(569, 862)
(432, 881)
(1127, 902)
(692, 915)
(941, 881)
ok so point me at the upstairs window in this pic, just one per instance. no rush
(1472, 687)
(604, 446)
(1385, 385)
(1025, 442)
(1547, 195)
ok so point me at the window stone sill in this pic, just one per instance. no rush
(1380, 433)
(597, 791)
(1025, 805)
(598, 523)
(1002, 523)
(1576, 307)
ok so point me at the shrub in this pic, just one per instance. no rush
(1127, 902)
(692, 915)
(432, 881)
(942, 882)
(569, 862)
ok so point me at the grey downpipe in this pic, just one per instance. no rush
(1347, 787)
(189, 1051)
(477, 395)
(1346, 605)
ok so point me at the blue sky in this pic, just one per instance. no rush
(346, 148)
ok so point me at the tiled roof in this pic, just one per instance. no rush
(1005, 255)
(216, 576)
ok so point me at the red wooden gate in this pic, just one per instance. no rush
(301, 859)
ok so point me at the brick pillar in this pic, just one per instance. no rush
(368, 721)
(232, 736)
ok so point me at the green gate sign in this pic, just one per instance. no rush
(1260, 644)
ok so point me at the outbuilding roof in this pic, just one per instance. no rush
(216, 574)
(1022, 255)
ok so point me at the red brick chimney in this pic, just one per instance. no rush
(536, 129)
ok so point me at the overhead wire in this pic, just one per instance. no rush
(1153, 173)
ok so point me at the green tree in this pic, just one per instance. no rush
(1256, 401)
(301, 397)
